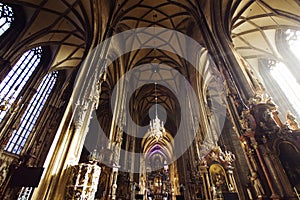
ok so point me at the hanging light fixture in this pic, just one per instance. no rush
(157, 129)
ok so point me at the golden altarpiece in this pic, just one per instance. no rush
(140, 99)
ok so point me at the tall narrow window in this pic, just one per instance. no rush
(292, 37)
(19, 136)
(283, 76)
(13, 83)
(6, 17)
(288, 84)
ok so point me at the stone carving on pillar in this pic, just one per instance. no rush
(247, 121)
(8, 164)
(217, 154)
(115, 162)
(114, 186)
(205, 178)
(117, 145)
(80, 114)
(83, 181)
(98, 89)
(268, 124)
(262, 98)
(5, 162)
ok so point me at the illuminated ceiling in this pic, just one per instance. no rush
(71, 27)
(254, 24)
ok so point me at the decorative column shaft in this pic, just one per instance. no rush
(264, 168)
(204, 176)
(233, 187)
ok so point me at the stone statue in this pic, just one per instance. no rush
(228, 157)
(203, 161)
(213, 192)
(4, 171)
(268, 123)
(291, 121)
(248, 122)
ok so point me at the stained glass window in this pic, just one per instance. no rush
(6, 17)
(14, 82)
(29, 118)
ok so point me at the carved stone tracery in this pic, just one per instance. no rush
(83, 181)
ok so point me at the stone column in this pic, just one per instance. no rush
(265, 171)
(68, 142)
(232, 182)
(248, 152)
(114, 185)
(116, 158)
(285, 183)
(205, 178)
(277, 172)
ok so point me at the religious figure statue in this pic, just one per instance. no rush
(291, 121)
(228, 157)
(248, 122)
(268, 123)
(213, 192)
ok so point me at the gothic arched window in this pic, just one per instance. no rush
(285, 78)
(6, 17)
(287, 83)
(293, 41)
(29, 118)
(15, 80)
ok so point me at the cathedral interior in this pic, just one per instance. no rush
(149, 99)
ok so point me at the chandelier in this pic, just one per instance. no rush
(157, 129)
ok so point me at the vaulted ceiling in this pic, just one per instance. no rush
(253, 26)
(65, 25)
(72, 27)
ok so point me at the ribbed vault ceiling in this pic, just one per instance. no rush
(175, 15)
(253, 25)
(72, 26)
(66, 25)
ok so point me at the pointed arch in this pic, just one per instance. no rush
(6, 17)
(13, 83)
(19, 137)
